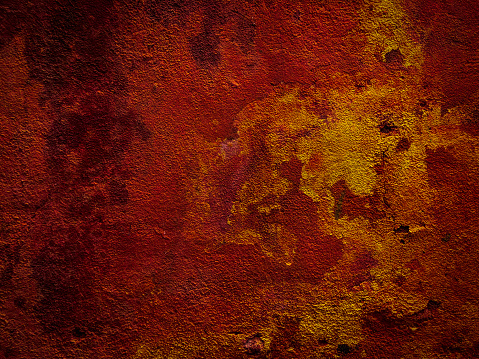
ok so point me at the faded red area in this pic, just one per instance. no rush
(451, 40)
(458, 192)
(353, 206)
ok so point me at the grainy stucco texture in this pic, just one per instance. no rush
(199, 179)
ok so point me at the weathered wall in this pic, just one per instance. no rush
(214, 179)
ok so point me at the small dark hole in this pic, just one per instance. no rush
(402, 241)
(254, 345)
(387, 127)
(19, 302)
(402, 229)
(433, 304)
(344, 349)
(79, 333)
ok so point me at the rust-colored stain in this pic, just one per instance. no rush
(239, 179)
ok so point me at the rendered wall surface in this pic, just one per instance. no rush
(239, 179)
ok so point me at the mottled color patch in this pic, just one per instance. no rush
(239, 179)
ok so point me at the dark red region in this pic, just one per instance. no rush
(320, 108)
(457, 182)
(67, 272)
(316, 252)
(471, 123)
(227, 180)
(12, 16)
(450, 46)
(306, 27)
(394, 57)
(359, 269)
(226, 270)
(453, 344)
(386, 334)
(292, 171)
(209, 287)
(403, 145)
(455, 208)
(353, 206)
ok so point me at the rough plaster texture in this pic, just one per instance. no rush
(239, 179)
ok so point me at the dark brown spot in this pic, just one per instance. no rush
(205, 49)
(233, 133)
(338, 206)
(403, 145)
(422, 103)
(245, 32)
(362, 83)
(78, 333)
(118, 192)
(10, 352)
(254, 345)
(433, 304)
(425, 314)
(387, 127)
(344, 349)
(383, 321)
(399, 280)
(402, 229)
(394, 57)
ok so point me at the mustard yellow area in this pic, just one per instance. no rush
(388, 27)
(333, 322)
